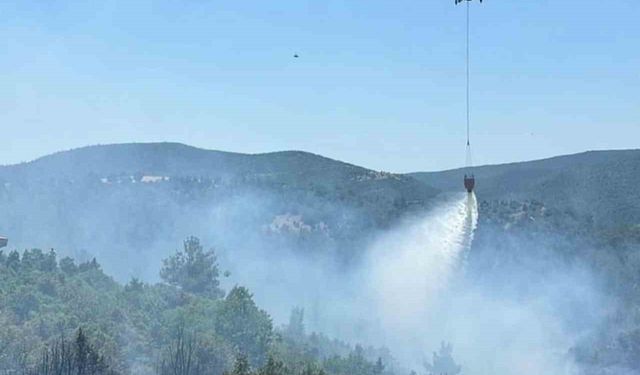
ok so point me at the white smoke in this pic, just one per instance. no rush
(412, 292)
(422, 296)
(382, 300)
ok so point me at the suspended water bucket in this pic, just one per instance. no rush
(469, 183)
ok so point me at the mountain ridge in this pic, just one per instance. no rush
(537, 160)
(166, 157)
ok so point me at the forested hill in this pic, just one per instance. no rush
(602, 186)
(292, 169)
(132, 200)
(177, 160)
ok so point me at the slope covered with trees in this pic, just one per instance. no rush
(59, 317)
(599, 185)
(134, 201)
(521, 248)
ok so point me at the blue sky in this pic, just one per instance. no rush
(378, 83)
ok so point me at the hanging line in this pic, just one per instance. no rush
(469, 160)
(468, 76)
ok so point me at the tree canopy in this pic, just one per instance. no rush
(193, 270)
(58, 317)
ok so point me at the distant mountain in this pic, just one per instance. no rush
(174, 159)
(294, 169)
(138, 201)
(602, 186)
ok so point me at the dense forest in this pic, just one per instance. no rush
(60, 317)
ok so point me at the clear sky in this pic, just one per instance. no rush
(378, 83)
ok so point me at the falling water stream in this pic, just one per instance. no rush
(411, 268)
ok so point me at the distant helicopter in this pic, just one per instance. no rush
(295, 56)
(459, 1)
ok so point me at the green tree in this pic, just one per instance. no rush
(13, 260)
(354, 364)
(24, 303)
(49, 263)
(443, 362)
(134, 285)
(31, 259)
(240, 366)
(273, 367)
(83, 352)
(88, 266)
(295, 329)
(68, 266)
(35, 259)
(180, 358)
(310, 369)
(248, 328)
(72, 358)
(193, 270)
(378, 368)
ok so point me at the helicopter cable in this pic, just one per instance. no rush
(468, 74)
